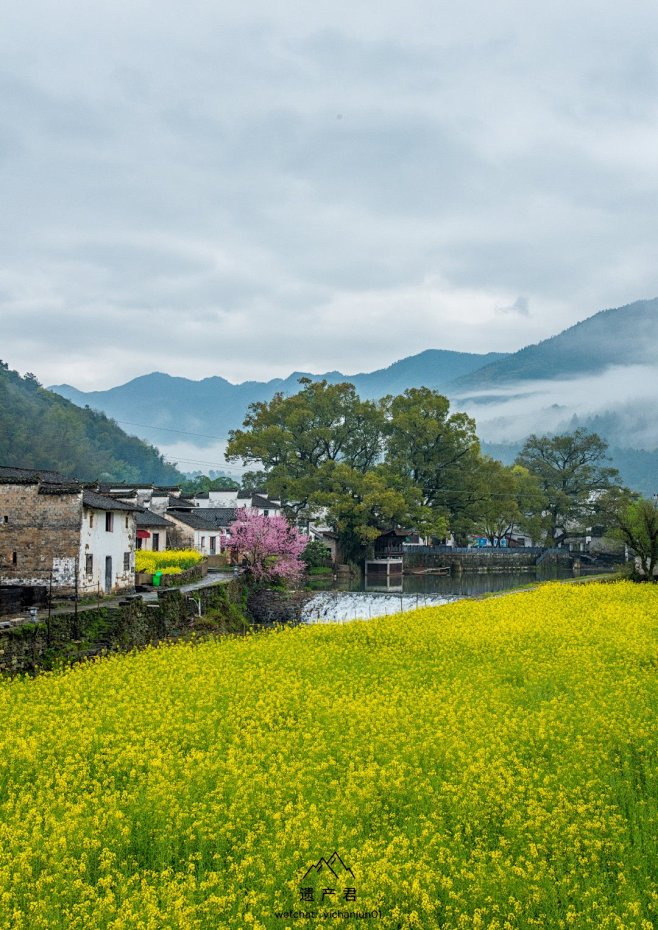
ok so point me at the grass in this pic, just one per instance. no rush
(486, 764)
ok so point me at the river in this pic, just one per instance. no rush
(361, 601)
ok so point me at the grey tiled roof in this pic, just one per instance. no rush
(205, 518)
(10, 475)
(264, 503)
(181, 503)
(148, 518)
(103, 502)
(160, 490)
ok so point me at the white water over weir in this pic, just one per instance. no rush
(342, 606)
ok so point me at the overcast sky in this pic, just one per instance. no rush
(246, 189)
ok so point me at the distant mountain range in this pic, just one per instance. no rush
(213, 406)
(601, 373)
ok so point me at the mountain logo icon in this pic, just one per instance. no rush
(333, 865)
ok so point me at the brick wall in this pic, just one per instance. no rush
(43, 530)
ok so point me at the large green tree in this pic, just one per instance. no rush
(324, 451)
(636, 523)
(573, 475)
(438, 452)
(510, 497)
(297, 439)
(361, 504)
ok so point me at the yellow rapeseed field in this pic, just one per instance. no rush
(485, 764)
(147, 561)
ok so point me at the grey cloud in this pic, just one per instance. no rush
(520, 307)
(190, 174)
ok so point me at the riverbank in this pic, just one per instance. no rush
(335, 606)
(603, 578)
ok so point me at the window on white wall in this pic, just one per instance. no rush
(109, 521)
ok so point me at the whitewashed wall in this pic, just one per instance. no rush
(96, 541)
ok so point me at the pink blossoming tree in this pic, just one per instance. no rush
(270, 546)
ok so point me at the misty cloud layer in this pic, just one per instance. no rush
(626, 397)
(247, 190)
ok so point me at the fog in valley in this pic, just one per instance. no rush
(620, 402)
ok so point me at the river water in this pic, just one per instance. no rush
(361, 601)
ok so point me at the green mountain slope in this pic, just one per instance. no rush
(40, 429)
(622, 336)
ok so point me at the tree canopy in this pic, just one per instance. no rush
(636, 523)
(409, 461)
(572, 472)
(365, 466)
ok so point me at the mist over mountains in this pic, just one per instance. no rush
(601, 373)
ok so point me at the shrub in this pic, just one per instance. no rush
(171, 558)
(316, 555)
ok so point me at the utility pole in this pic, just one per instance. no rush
(76, 632)
(50, 608)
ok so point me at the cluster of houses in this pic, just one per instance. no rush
(59, 533)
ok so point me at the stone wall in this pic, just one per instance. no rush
(135, 623)
(474, 560)
(39, 533)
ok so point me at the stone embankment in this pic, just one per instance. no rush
(480, 560)
(70, 637)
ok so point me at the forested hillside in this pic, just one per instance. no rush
(621, 336)
(40, 429)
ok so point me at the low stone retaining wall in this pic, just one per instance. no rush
(65, 638)
(479, 560)
(196, 573)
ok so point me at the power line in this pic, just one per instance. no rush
(225, 466)
(236, 468)
(170, 429)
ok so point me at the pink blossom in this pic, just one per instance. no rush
(270, 545)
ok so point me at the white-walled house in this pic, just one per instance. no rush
(54, 531)
(234, 499)
(152, 531)
(205, 499)
(204, 529)
(107, 543)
